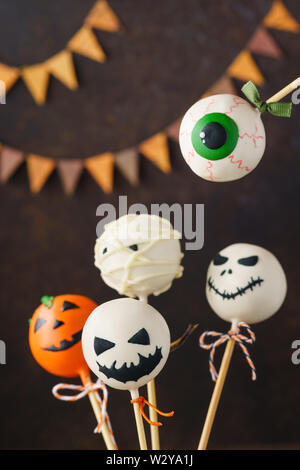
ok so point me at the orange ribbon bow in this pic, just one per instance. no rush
(142, 402)
(236, 336)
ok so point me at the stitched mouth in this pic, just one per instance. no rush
(239, 290)
(65, 344)
(133, 373)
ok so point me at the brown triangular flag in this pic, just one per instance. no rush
(101, 167)
(156, 149)
(263, 43)
(222, 85)
(69, 172)
(127, 161)
(280, 18)
(36, 78)
(172, 130)
(11, 159)
(102, 17)
(244, 68)
(9, 75)
(85, 42)
(39, 169)
(61, 66)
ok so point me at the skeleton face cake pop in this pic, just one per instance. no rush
(245, 283)
(222, 138)
(139, 255)
(126, 343)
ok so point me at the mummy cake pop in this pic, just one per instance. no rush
(245, 283)
(126, 343)
(139, 255)
(222, 137)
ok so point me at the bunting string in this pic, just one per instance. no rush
(61, 66)
(155, 149)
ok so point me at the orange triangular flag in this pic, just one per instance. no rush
(39, 169)
(10, 159)
(172, 130)
(244, 68)
(69, 172)
(223, 85)
(61, 66)
(36, 78)
(101, 167)
(102, 17)
(263, 43)
(156, 149)
(9, 75)
(85, 42)
(127, 162)
(280, 18)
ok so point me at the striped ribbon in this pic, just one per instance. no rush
(222, 338)
(83, 391)
(142, 402)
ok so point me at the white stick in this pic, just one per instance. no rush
(285, 91)
(214, 402)
(139, 421)
(151, 393)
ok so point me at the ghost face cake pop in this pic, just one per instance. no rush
(222, 138)
(139, 255)
(126, 343)
(245, 283)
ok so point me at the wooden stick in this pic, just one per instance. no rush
(285, 91)
(85, 378)
(153, 415)
(216, 395)
(151, 394)
(139, 421)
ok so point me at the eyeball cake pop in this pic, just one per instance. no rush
(55, 334)
(126, 343)
(139, 255)
(222, 137)
(245, 283)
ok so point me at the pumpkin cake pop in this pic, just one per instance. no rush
(55, 341)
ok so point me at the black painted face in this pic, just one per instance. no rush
(65, 343)
(132, 372)
(228, 273)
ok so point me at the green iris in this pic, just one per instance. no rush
(215, 136)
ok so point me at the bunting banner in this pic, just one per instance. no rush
(84, 42)
(156, 148)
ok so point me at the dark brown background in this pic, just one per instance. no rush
(169, 54)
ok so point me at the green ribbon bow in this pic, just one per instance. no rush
(277, 109)
(47, 300)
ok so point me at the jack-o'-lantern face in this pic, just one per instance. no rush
(126, 343)
(55, 333)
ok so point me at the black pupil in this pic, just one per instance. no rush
(213, 135)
